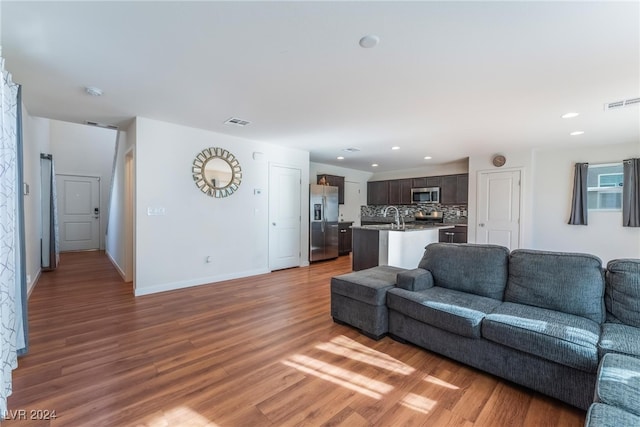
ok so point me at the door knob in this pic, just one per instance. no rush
(481, 225)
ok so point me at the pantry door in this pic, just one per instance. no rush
(499, 195)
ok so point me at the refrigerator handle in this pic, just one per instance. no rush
(324, 206)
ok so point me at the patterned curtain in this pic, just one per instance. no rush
(12, 268)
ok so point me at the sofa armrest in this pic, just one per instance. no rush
(417, 279)
(618, 382)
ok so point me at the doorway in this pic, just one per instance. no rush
(499, 196)
(285, 187)
(78, 212)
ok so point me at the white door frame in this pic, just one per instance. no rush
(479, 175)
(129, 216)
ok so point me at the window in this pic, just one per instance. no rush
(604, 187)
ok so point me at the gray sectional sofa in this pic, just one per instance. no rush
(540, 319)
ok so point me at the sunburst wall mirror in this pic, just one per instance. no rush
(216, 172)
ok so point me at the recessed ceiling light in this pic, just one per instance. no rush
(578, 132)
(369, 41)
(427, 157)
(395, 148)
(93, 91)
(374, 165)
(570, 115)
(340, 158)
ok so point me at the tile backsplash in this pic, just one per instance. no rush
(450, 213)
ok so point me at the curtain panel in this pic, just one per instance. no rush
(579, 205)
(631, 193)
(12, 267)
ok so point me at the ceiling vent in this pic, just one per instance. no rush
(102, 125)
(351, 150)
(621, 104)
(236, 121)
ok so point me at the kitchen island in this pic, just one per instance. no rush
(383, 245)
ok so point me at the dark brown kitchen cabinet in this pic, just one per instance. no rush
(427, 181)
(344, 238)
(454, 189)
(458, 234)
(400, 191)
(365, 249)
(378, 193)
(335, 181)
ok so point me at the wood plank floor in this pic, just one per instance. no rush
(259, 351)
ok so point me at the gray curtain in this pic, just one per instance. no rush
(631, 193)
(579, 202)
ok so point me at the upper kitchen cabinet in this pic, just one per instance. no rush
(378, 193)
(334, 181)
(400, 191)
(454, 189)
(428, 181)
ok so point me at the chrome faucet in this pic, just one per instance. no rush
(398, 218)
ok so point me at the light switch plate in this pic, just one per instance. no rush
(151, 211)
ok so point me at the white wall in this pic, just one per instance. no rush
(115, 238)
(85, 150)
(171, 249)
(355, 188)
(605, 236)
(35, 141)
(547, 190)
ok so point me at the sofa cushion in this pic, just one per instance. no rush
(453, 311)
(622, 294)
(417, 279)
(618, 382)
(601, 415)
(567, 282)
(560, 337)
(369, 286)
(472, 268)
(619, 338)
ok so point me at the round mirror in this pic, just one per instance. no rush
(216, 172)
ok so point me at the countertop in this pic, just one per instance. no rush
(415, 226)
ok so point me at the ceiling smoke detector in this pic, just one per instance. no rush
(621, 104)
(236, 122)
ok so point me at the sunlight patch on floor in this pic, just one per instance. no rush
(418, 403)
(180, 416)
(343, 346)
(441, 383)
(339, 376)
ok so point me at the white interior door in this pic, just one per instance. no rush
(285, 187)
(499, 208)
(78, 212)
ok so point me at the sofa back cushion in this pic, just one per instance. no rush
(622, 294)
(476, 269)
(567, 282)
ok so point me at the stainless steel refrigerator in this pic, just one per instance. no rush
(323, 222)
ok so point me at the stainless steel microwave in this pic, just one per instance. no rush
(425, 195)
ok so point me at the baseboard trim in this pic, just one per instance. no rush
(140, 291)
(117, 267)
(33, 284)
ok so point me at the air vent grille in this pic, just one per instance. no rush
(621, 104)
(101, 125)
(351, 150)
(236, 121)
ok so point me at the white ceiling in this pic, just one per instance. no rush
(447, 80)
